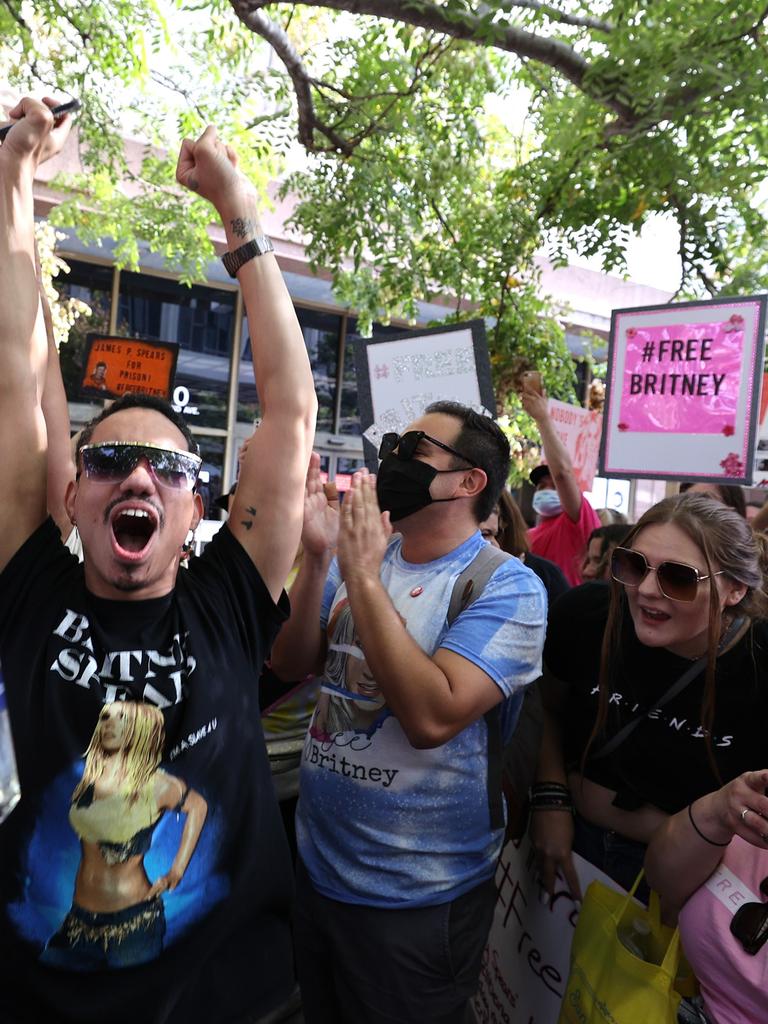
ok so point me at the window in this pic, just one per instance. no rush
(201, 321)
(321, 336)
(212, 452)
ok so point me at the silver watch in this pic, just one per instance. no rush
(256, 247)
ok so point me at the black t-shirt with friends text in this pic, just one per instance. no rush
(107, 810)
(664, 762)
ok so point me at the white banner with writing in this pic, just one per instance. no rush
(526, 962)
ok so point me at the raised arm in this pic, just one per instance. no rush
(300, 647)
(267, 507)
(558, 459)
(23, 341)
(61, 464)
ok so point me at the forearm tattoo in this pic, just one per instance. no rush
(248, 523)
(243, 227)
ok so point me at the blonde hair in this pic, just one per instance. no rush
(141, 751)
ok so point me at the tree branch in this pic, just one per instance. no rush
(554, 15)
(257, 21)
(688, 253)
(456, 24)
(17, 17)
(422, 66)
(168, 83)
(457, 248)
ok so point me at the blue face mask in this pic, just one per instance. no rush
(546, 503)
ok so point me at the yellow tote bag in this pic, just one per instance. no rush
(607, 983)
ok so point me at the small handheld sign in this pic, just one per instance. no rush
(400, 375)
(112, 366)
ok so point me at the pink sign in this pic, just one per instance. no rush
(682, 378)
(579, 430)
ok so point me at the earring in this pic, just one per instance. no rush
(188, 547)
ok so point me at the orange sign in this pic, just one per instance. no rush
(116, 365)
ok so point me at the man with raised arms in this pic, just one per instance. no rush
(144, 875)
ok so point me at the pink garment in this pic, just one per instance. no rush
(733, 983)
(564, 542)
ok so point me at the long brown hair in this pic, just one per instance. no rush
(513, 529)
(727, 543)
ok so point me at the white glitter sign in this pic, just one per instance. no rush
(405, 374)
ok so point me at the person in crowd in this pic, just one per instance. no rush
(709, 862)
(611, 516)
(288, 708)
(395, 899)
(506, 528)
(759, 519)
(565, 519)
(661, 680)
(733, 497)
(597, 558)
(751, 511)
(126, 627)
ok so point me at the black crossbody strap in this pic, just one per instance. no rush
(677, 687)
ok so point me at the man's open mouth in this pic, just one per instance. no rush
(133, 528)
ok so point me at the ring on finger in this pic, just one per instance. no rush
(743, 815)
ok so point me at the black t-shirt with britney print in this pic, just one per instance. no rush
(144, 875)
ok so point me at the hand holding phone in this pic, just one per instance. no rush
(532, 380)
(58, 112)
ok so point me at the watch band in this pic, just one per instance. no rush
(256, 247)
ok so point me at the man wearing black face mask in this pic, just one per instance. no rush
(399, 825)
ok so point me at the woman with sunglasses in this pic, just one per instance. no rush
(710, 864)
(661, 679)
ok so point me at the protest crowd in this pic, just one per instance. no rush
(238, 806)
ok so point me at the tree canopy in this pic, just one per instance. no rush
(442, 143)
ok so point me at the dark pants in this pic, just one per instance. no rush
(410, 966)
(620, 858)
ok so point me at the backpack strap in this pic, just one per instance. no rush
(469, 585)
(471, 581)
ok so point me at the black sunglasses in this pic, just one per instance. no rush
(750, 923)
(677, 581)
(407, 444)
(110, 462)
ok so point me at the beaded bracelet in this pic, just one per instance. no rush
(698, 831)
(549, 789)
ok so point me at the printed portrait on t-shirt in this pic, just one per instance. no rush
(135, 828)
(350, 699)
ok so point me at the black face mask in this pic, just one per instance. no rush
(402, 486)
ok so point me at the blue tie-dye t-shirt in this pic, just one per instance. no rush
(380, 822)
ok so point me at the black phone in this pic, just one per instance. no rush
(63, 108)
